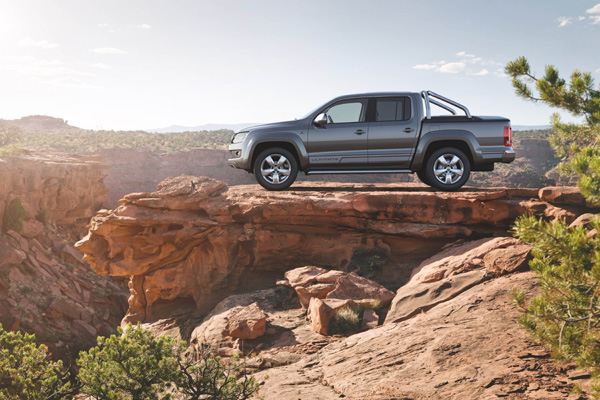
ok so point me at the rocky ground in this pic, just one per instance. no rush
(428, 276)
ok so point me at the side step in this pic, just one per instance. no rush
(359, 171)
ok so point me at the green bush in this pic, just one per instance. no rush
(132, 365)
(26, 373)
(11, 150)
(14, 215)
(346, 321)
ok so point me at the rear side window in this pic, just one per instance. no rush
(392, 109)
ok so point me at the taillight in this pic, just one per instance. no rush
(507, 136)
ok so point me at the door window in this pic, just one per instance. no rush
(392, 109)
(346, 113)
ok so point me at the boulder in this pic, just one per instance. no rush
(32, 228)
(361, 291)
(246, 322)
(583, 219)
(304, 275)
(321, 312)
(416, 298)
(9, 255)
(499, 255)
(562, 195)
(370, 320)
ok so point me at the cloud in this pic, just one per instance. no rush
(594, 10)
(143, 26)
(103, 25)
(108, 50)
(465, 54)
(564, 21)
(30, 66)
(452, 68)
(100, 65)
(37, 43)
(424, 66)
(499, 73)
(482, 72)
(71, 82)
(594, 18)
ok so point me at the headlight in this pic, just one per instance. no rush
(239, 137)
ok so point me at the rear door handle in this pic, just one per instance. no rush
(408, 130)
(359, 132)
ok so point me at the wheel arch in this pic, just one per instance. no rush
(461, 140)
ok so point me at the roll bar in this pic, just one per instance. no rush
(427, 94)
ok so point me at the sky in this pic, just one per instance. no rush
(127, 65)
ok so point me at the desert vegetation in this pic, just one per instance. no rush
(566, 316)
(89, 141)
(132, 365)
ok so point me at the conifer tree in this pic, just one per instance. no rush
(27, 373)
(566, 316)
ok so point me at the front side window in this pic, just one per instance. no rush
(392, 109)
(345, 113)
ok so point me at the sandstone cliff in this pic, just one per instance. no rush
(46, 287)
(196, 240)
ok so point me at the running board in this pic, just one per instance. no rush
(359, 171)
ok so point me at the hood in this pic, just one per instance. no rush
(274, 125)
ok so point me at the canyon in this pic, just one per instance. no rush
(265, 275)
(46, 287)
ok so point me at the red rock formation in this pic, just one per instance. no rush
(196, 240)
(46, 287)
(65, 188)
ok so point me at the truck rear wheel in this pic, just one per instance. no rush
(275, 169)
(447, 169)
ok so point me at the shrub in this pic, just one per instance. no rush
(132, 365)
(347, 320)
(135, 365)
(11, 150)
(211, 378)
(14, 215)
(26, 373)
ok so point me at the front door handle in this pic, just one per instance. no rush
(359, 132)
(407, 130)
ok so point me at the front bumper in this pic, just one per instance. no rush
(236, 156)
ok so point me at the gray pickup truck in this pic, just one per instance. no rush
(375, 133)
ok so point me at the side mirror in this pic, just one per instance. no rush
(321, 119)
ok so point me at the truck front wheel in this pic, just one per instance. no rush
(275, 169)
(447, 169)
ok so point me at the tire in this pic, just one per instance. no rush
(275, 169)
(453, 169)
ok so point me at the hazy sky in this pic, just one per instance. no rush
(148, 64)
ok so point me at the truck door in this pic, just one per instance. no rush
(393, 131)
(342, 140)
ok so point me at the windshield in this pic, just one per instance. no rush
(313, 111)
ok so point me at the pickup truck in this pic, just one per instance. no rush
(374, 133)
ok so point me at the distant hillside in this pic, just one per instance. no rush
(530, 127)
(41, 123)
(199, 128)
